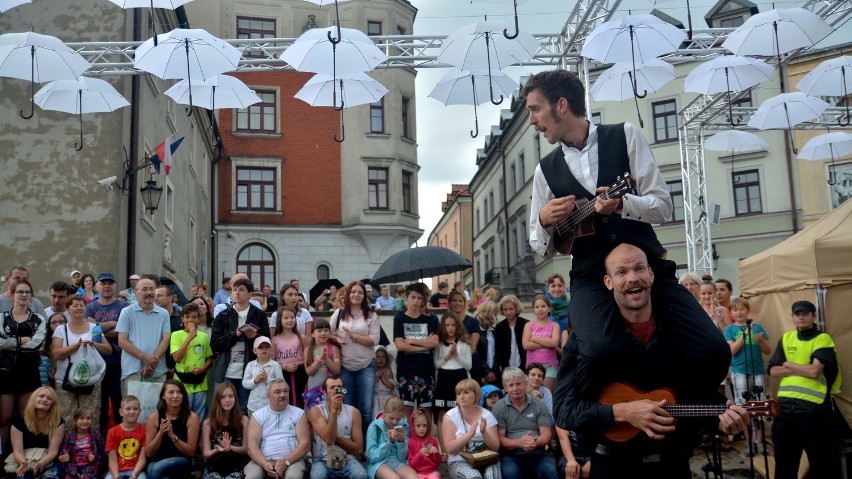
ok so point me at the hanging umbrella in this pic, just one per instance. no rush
(423, 262)
(830, 145)
(726, 74)
(634, 39)
(85, 95)
(218, 91)
(785, 111)
(515, 4)
(152, 4)
(480, 46)
(460, 87)
(353, 89)
(47, 57)
(9, 4)
(831, 78)
(735, 141)
(336, 12)
(184, 53)
(616, 82)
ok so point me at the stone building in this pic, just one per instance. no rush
(454, 231)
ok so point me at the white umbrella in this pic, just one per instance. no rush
(511, 2)
(735, 141)
(353, 89)
(481, 46)
(460, 87)
(351, 52)
(9, 4)
(787, 110)
(830, 145)
(184, 53)
(218, 91)
(47, 57)
(777, 31)
(830, 78)
(726, 74)
(616, 83)
(152, 4)
(85, 95)
(634, 39)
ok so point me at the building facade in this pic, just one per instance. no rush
(454, 231)
(290, 201)
(56, 217)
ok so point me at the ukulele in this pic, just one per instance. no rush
(622, 392)
(579, 223)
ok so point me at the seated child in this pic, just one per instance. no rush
(125, 443)
(387, 444)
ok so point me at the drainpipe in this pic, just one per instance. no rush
(130, 260)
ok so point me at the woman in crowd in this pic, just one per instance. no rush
(691, 281)
(469, 427)
(54, 321)
(717, 313)
(486, 317)
(87, 288)
(357, 326)
(69, 341)
(476, 299)
(491, 294)
(19, 356)
(290, 297)
(171, 434)
(457, 303)
(223, 448)
(205, 313)
(40, 425)
(558, 298)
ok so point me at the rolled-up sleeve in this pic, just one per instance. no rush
(540, 237)
(653, 204)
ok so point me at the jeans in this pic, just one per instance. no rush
(352, 470)
(242, 393)
(125, 475)
(172, 467)
(539, 464)
(198, 405)
(360, 389)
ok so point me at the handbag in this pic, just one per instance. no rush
(31, 454)
(315, 395)
(480, 459)
(189, 378)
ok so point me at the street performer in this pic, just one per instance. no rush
(588, 160)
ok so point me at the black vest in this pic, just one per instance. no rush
(611, 230)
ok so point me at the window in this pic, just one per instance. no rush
(512, 173)
(169, 195)
(256, 188)
(514, 254)
(374, 28)
(406, 120)
(596, 118)
(255, 28)
(537, 148)
(257, 262)
(665, 121)
(323, 272)
(522, 239)
(477, 221)
(406, 192)
(377, 116)
(260, 116)
(731, 22)
(485, 211)
(675, 188)
(500, 190)
(521, 171)
(747, 192)
(193, 244)
(400, 30)
(491, 204)
(377, 180)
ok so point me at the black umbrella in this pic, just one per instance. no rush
(416, 263)
(323, 285)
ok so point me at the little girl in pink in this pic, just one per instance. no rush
(423, 453)
(540, 339)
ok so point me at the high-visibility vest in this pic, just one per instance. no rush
(796, 386)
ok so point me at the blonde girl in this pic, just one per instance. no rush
(540, 339)
(289, 347)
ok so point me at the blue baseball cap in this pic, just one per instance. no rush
(106, 277)
(487, 390)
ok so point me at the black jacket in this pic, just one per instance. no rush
(223, 337)
(503, 345)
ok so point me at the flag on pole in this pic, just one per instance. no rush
(163, 156)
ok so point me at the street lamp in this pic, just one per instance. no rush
(151, 194)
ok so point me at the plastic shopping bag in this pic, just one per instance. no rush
(148, 393)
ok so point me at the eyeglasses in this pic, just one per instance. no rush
(58, 322)
(21, 292)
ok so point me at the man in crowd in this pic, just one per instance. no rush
(143, 335)
(232, 338)
(58, 296)
(806, 361)
(525, 427)
(648, 361)
(588, 160)
(295, 282)
(16, 274)
(439, 299)
(75, 277)
(724, 290)
(165, 298)
(338, 440)
(278, 437)
(223, 306)
(224, 294)
(459, 286)
(271, 299)
(105, 311)
(131, 295)
(384, 301)
(415, 334)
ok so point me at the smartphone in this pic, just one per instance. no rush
(399, 428)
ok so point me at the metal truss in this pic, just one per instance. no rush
(711, 113)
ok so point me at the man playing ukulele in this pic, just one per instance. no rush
(649, 360)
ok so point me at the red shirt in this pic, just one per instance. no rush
(127, 445)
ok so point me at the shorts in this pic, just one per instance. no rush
(740, 386)
(550, 372)
(394, 464)
(416, 390)
(445, 388)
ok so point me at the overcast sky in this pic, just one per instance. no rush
(446, 152)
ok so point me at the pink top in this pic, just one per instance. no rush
(288, 351)
(546, 356)
(356, 356)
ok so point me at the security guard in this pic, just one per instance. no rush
(806, 362)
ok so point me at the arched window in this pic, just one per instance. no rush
(257, 261)
(323, 272)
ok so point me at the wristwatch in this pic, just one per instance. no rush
(287, 463)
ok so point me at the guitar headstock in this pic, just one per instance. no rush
(624, 184)
(766, 408)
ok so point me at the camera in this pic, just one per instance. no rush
(340, 390)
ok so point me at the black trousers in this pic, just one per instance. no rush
(110, 390)
(812, 433)
(619, 467)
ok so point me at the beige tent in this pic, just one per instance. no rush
(816, 265)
